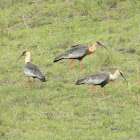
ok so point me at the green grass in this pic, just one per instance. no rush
(58, 109)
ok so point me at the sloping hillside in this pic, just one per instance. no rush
(58, 109)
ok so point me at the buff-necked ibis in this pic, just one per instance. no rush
(31, 70)
(78, 52)
(100, 79)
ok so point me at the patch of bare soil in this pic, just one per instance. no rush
(125, 50)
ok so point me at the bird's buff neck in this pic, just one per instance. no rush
(113, 76)
(91, 49)
(27, 58)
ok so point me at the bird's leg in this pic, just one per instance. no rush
(80, 65)
(92, 90)
(102, 91)
(71, 64)
(33, 81)
(27, 82)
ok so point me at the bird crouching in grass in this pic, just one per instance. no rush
(100, 79)
(31, 70)
(78, 52)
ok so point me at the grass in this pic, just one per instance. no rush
(58, 109)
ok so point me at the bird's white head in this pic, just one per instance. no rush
(118, 73)
(97, 44)
(25, 53)
(27, 58)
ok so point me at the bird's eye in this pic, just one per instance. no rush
(24, 52)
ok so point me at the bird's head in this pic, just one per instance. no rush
(25, 53)
(97, 44)
(120, 73)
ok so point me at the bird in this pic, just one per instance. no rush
(31, 70)
(79, 52)
(100, 79)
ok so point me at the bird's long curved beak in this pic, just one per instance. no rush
(19, 57)
(124, 78)
(104, 47)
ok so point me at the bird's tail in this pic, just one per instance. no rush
(43, 79)
(58, 58)
(81, 81)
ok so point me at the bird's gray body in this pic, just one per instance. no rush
(34, 71)
(96, 79)
(77, 52)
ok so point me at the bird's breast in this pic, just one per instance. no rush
(28, 72)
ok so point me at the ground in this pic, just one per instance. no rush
(59, 109)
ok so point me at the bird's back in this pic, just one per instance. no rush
(76, 52)
(96, 79)
(79, 51)
(34, 71)
(79, 45)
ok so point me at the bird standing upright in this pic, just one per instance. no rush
(78, 52)
(31, 70)
(100, 79)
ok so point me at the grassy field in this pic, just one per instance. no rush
(58, 109)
